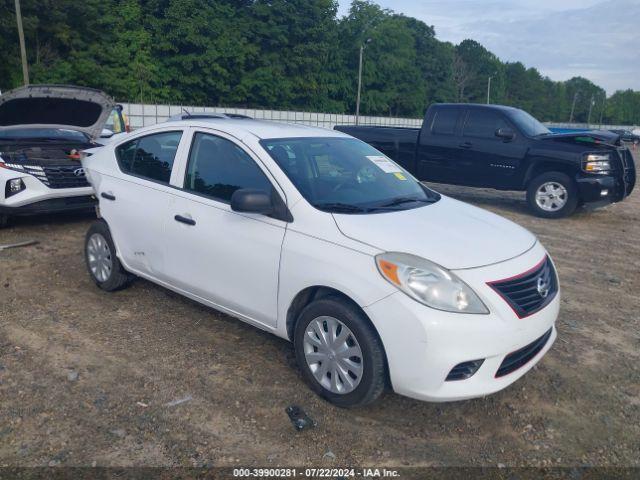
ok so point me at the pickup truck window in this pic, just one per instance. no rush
(345, 175)
(483, 124)
(444, 121)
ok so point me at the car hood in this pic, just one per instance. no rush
(56, 106)
(585, 137)
(450, 233)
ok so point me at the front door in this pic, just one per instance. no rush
(228, 258)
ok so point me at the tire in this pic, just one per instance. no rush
(563, 198)
(4, 220)
(370, 378)
(99, 246)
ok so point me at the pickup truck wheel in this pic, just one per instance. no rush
(552, 195)
(4, 220)
(339, 353)
(102, 262)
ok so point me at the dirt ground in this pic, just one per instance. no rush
(87, 377)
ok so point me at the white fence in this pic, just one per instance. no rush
(145, 115)
(142, 115)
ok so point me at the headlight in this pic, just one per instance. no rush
(428, 283)
(597, 163)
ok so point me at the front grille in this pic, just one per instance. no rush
(530, 291)
(61, 176)
(519, 358)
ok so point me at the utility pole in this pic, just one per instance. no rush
(23, 50)
(590, 109)
(360, 80)
(573, 106)
(489, 91)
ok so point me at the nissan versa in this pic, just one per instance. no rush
(320, 239)
(42, 130)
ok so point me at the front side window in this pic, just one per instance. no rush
(345, 175)
(150, 157)
(483, 124)
(218, 167)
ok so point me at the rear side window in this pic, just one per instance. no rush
(483, 124)
(218, 167)
(444, 121)
(150, 157)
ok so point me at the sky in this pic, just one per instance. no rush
(596, 39)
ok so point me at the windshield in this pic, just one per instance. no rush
(345, 175)
(58, 134)
(528, 124)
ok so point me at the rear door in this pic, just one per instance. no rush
(228, 258)
(439, 145)
(135, 203)
(485, 159)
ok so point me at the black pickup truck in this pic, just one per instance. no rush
(507, 149)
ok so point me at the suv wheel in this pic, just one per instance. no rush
(102, 262)
(339, 353)
(552, 195)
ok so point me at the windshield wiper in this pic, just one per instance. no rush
(400, 200)
(340, 207)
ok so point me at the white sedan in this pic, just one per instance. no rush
(322, 240)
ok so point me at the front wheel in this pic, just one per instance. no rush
(552, 195)
(339, 353)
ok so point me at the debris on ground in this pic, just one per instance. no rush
(299, 418)
(186, 399)
(142, 404)
(72, 376)
(26, 243)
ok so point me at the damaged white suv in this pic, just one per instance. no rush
(43, 129)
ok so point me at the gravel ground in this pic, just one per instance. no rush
(146, 377)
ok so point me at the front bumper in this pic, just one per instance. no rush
(618, 185)
(37, 198)
(423, 345)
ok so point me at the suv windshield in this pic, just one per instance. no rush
(528, 124)
(345, 175)
(56, 134)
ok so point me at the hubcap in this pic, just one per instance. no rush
(333, 355)
(99, 257)
(551, 196)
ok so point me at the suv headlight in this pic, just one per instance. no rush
(428, 283)
(597, 163)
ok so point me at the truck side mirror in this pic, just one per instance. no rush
(505, 134)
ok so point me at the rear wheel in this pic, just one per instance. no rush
(552, 195)
(103, 264)
(339, 353)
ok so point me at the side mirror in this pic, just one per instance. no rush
(106, 133)
(251, 201)
(505, 134)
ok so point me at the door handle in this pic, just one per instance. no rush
(466, 145)
(185, 220)
(108, 196)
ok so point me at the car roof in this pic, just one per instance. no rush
(490, 106)
(262, 129)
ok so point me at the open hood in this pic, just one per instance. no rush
(585, 137)
(56, 106)
(450, 233)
